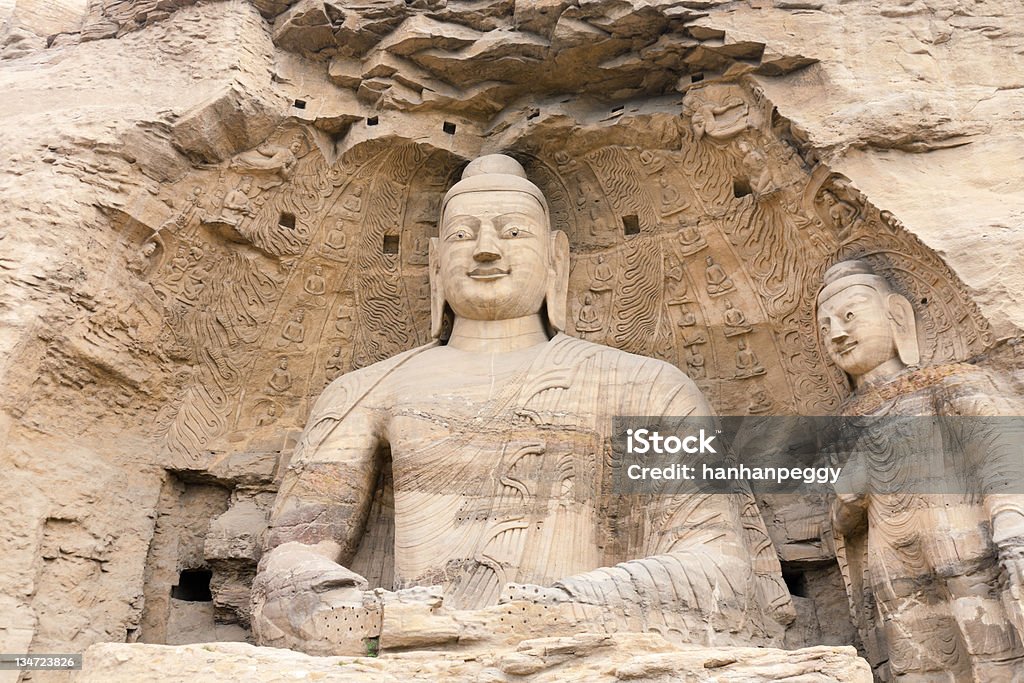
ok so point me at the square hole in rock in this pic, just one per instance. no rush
(193, 586)
(631, 225)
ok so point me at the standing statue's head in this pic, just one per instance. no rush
(495, 256)
(867, 328)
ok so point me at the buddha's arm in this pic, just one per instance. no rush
(315, 524)
(989, 429)
(326, 493)
(701, 581)
(693, 571)
(988, 426)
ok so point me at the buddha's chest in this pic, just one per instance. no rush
(487, 439)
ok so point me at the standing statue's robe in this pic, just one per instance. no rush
(503, 472)
(923, 575)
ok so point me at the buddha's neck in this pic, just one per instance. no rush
(497, 336)
(885, 371)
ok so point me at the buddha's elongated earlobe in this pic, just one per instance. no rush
(438, 305)
(557, 296)
(904, 328)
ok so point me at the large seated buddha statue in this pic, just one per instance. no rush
(499, 435)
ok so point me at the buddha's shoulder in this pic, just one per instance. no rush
(569, 350)
(968, 389)
(952, 388)
(355, 386)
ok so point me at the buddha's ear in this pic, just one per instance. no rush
(557, 297)
(904, 327)
(438, 304)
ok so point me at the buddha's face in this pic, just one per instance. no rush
(494, 255)
(856, 329)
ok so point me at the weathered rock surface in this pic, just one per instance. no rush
(127, 390)
(625, 657)
(921, 104)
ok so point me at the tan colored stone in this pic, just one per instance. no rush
(966, 546)
(146, 304)
(925, 128)
(597, 659)
(419, 33)
(498, 279)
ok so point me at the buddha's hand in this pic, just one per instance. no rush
(296, 587)
(849, 511)
(544, 595)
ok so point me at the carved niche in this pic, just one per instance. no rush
(700, 240)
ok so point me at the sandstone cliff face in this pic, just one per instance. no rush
(921, 103)
(134, 381)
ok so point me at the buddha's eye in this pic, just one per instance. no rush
(459, 235)
(514, 231)
(849, 315)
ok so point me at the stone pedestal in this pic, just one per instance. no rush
(586, 657)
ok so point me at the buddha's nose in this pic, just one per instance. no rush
(838, 335)
(487, 248)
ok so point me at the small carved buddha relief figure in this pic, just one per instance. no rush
(695, 363)
(671, 202)
(759, 170)
(603, 276)
(717, 280)
(281, 380)
(935, 580)
(493, 431)
(179, 266)
(673, 268)
(691, 240)
(344, 322)
(747, 364)
(686, 317)
(759, 402)
(675, 282)
(423, 296)
(845, 217)
(294, 330)
(353, 204)
(735, 321)
(652, 162)
(694, 337)
(235, 206)
(596, 221)
(420, 250)
(141, 263)
(335, 239)
(588, 320)
(335, 364)
(266, 413)
(315, 284)
(565, 161)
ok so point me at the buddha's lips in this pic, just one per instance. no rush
(845, 348)
(488, 273)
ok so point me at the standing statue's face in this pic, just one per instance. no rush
(494, 255)
(856, 329)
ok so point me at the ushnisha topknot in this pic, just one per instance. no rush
(495, 172)
(849, 273)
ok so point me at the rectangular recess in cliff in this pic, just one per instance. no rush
(179, 606)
